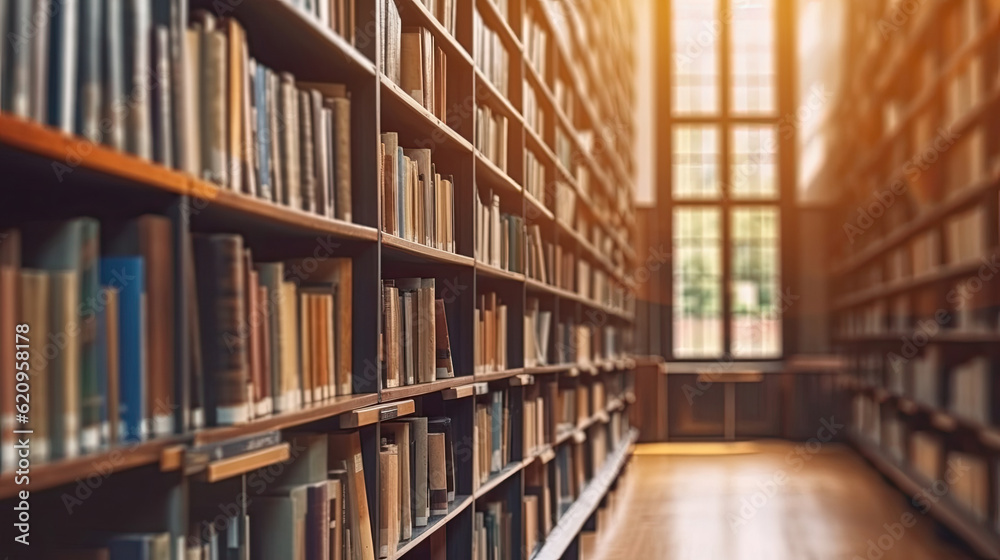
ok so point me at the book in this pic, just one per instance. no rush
(278, 523)
(419, 489)
(35, 296)
(398, 434)
(389, 513)
(443, 425)
(219, 265)
(437, 474)
(346, 447)
(126, 275)
(444, 366)
(10, 318)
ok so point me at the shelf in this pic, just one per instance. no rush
(498, 273)
(399, 106)
(979, 537)
(498, 375)
(328, 409)
(409, 251)
(572, 522)
(536, 210)
(434, 524)
(427, 19)
(944, 273)
(419, 389)
(495, 21)
(65, 471)
(495, 177)
(241, 464)
(488, 94)
(498, 478)
(961, 200)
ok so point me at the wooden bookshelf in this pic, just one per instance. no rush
(109, 184)
(917, 259)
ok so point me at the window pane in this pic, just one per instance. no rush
(753, 46)
(753, 165)
(696, 33)
(754, 288)
(696, 162)
(697, 246)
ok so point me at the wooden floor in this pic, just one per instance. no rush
(762, 501)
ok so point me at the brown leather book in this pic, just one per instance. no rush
(437, 474)
(342, 152)
(305, 344)
(250, 330)
(10, 265)
(388, 500)
(445, 368)
(221, 305)
(236, 83)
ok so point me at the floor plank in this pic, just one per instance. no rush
(765, 500)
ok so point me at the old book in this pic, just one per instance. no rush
(529, 515)
(266, 402)
(390, 181)
(10, 299)
(39, 48)
(420, 496)
(318, 522)
(138, 31)
(388, 500)
(334, 492)
(440, 84)
(34, 311)
(161, 107)
(291, 380)
(288, 118)
(151, 237)
(307, 165)
(109, 349)
(445, 368)
(341, 107)
(221, 304)
(399, 434)
(437, 474)
(127, 276)
(235, 84)
(190, 151)
(278, 524)
(213, 100)
(252, 334)
(305, 344)
(87, 104)
(262, 131)
(347, 447)
(63, 65)
(322, 124)
(64, 369)
(390, 346)
(443, 425)
(335, 277)
(151, 546)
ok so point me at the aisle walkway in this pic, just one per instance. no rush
(766, 501)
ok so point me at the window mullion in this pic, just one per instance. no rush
(725, 88)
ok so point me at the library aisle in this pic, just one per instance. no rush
(764, 500)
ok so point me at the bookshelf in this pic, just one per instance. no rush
(914, 312)
(583, 357)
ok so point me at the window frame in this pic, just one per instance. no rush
(725, 120)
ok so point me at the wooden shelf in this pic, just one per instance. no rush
(495, 21)
(498, 375)
(494, 177)
(401, 109)
(571, 522)
(65, 471)
(409, 391)
(491, 271)
(402, 249)
(417, 9)
(328, 409)
(488, 94)
(945, 511)
(498, 478)
(235, 466)
(434, 524)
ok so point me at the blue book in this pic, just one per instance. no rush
(126, 274)
(263, 133)
(102, 369)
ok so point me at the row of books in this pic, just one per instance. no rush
(490, 334)
(534, 176)
(538, 255)
(537, 329)
(492, 436)
(416, 477)
(490, 55)
(534, 117)
(493, 532)
(415, 342)
(491, 135)
(82, 296)
(418, 202)
(535, 420)
(422, 67)
(338, 15)
(535, 43)
(500, 237)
